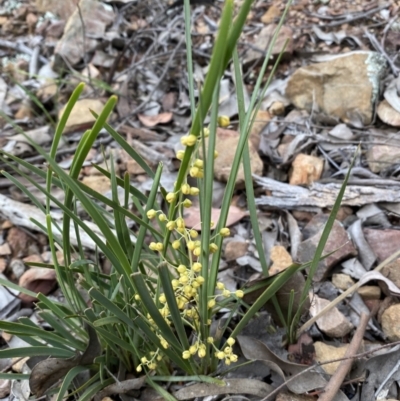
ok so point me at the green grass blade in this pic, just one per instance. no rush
(69, 377)
(24, 352)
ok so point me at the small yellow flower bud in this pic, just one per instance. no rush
(153, 246)
(227, 361)
(212, 224)
(239, 293)
(225, 232)
(188, 290)
(180, 222)
(206, 132)
(188, 140)
(192, 349)
(159, 357)
(223, 121)
(210, 340)
(230, 341)
(196, 267)
(216, 154)
(176, 244)
(139, 368)
(211, 303)
(182, 269)
(143, 359)
(185, 188)
(197, 251)
(187, 203)
(213, 248)
(159, 246)
(162, 217)
(190, 245)
(228, 350)
(195, 284)
(194, 191)
(200, 279)
(183, 279)
(180, 230)
(174, 283)
(180, 154)
(226, 293)
(162, 298)
(170, 197)
(194, 172)
(137, 297)
(186, 354)
(220, 355)
(233, 358)
(171, 225)
(201, 353)
(152, 365)
(151, 214)
(193, 233)
(220, 286)
(198, 163)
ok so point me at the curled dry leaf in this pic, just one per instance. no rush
(192, 216)
(152, 121)
(37, 279)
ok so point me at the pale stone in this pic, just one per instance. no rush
(344, 87)
(281, 259)
(333, 323)
(98, 183)
(235, 250)
(369, 292)
(388, 114)
(305, 169)
(325, 352)
(277, 109)
(133, 167)
(380, 157)
(391, 322)
(342, 281)
(261, 119)
(271, 14)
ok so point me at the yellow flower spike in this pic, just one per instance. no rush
(220, 286)
(194, 191)
(159, 246)
(225, 232)
(139, 368)
(162, 298)
(162, 217)
(226, 293)
(198, 163)
(220, 355)
(239, 293)
(185, 189)
(206, 132)
(223, 121)
(182, 269)
(151, 214)
(210, 340)
(190, 245)
(153, 246)
(171, 225)
(201, 353)
(197, 251)
(180, 154)
(230, 341)
(216, 154)
(196, 267)
(137, 297)
(186, 354)
(193, 233)
(194, 172)
(213, 248)
(211, 303)
(187, 203)
(176, 244)
(170, 197)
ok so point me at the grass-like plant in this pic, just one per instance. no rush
(152, 314)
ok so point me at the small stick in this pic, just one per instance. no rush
(336, 380)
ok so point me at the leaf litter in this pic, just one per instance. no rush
(306, 144)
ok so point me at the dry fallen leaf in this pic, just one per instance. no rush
(37, 279)
(151, 121)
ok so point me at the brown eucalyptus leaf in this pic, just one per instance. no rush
(232, 386)
(152, 121)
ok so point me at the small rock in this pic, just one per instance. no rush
(391, 322)
(264, 39)
(5, 249)
(262, 118)
(5, 388)
(384, 243)
(81, 117)
(19, 364)
(19, 242)
(388, 114)
(235, 250)
(344, 87)
(98, 183)
(369, 292)
(271, 14)
(133, 168)
(343, 213)
(37, 279)
(333, 323)
(325, 352)
(392, 271)
(379, 157)
(3, 265)
(226, 144)
(17, 267)
(281, 259)
(342, 281)
(338, 241)
(277, 109)
(305, 170)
